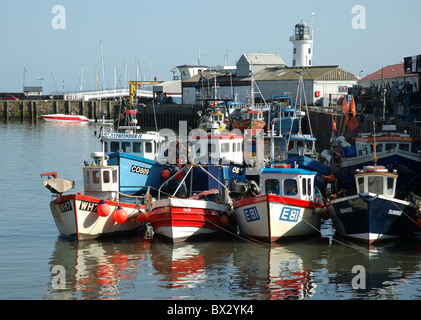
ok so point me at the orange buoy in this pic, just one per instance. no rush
(147, 216)
(103, 209)
(141, 216)
(165, 173)
(120, 215)
(180, 174)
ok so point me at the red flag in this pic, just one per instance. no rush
(352, 107)
(353, 123)
(347, 120)
(334, 125)
(344, 106)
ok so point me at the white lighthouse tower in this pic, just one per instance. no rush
(303, 45)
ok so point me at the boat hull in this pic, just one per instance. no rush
(76, 217)
(371, 218)
(137, 174)
(181, 219)
(64, 118)
(271, 218)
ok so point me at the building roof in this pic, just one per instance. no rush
(389, 72)
(320, 73)
(263, 58)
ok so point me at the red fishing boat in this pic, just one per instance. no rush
(250, 119)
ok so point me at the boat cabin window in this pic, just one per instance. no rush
(390, 146)
(404, 147)
(148, 147)
(306, 186)
(88, 177)
(106, 176)
(212, 148)
(225, 147)
(290, 187)
(114, 146)
(125, 146)
(360, 185)
(115, 176)
(379, 147)
(309, 188)
(375, 184)
(272, 186)
(95, 177)
(137, 147)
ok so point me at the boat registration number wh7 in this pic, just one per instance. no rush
(139, 170)
(290, 214)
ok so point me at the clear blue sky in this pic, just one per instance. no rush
(167, 33)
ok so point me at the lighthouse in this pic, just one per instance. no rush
(303, 45)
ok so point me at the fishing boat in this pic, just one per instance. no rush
(251, 119)
(373, 213)
(98, 212)
(284, 206)
(70, 118)
(183, 218)
(394, 151)
(300, 148)
(213, 120)
(212, 149)
(284, 115)
(138, 155)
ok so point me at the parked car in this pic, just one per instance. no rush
(11, 97)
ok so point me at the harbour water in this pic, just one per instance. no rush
(34, 257)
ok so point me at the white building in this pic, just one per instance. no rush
(303, 45)
(323, 85)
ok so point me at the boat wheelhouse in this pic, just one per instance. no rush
(138, 157)
(225, 148)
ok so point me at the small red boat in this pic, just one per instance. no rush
(181, 219)
(65, 117)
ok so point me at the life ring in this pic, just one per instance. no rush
(375, 169)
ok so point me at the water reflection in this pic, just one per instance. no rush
(386, 267)
(95, 269)
(140, 268)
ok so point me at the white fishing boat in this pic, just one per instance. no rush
(71, 118)
(98, 212)
(284, 206)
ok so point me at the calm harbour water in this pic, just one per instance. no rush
(225, 268)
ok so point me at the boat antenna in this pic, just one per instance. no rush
(375, 144)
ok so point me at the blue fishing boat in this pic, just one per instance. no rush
(373, 213)
(284, 115)
(394, 151)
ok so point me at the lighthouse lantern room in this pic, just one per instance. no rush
(303, 45)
